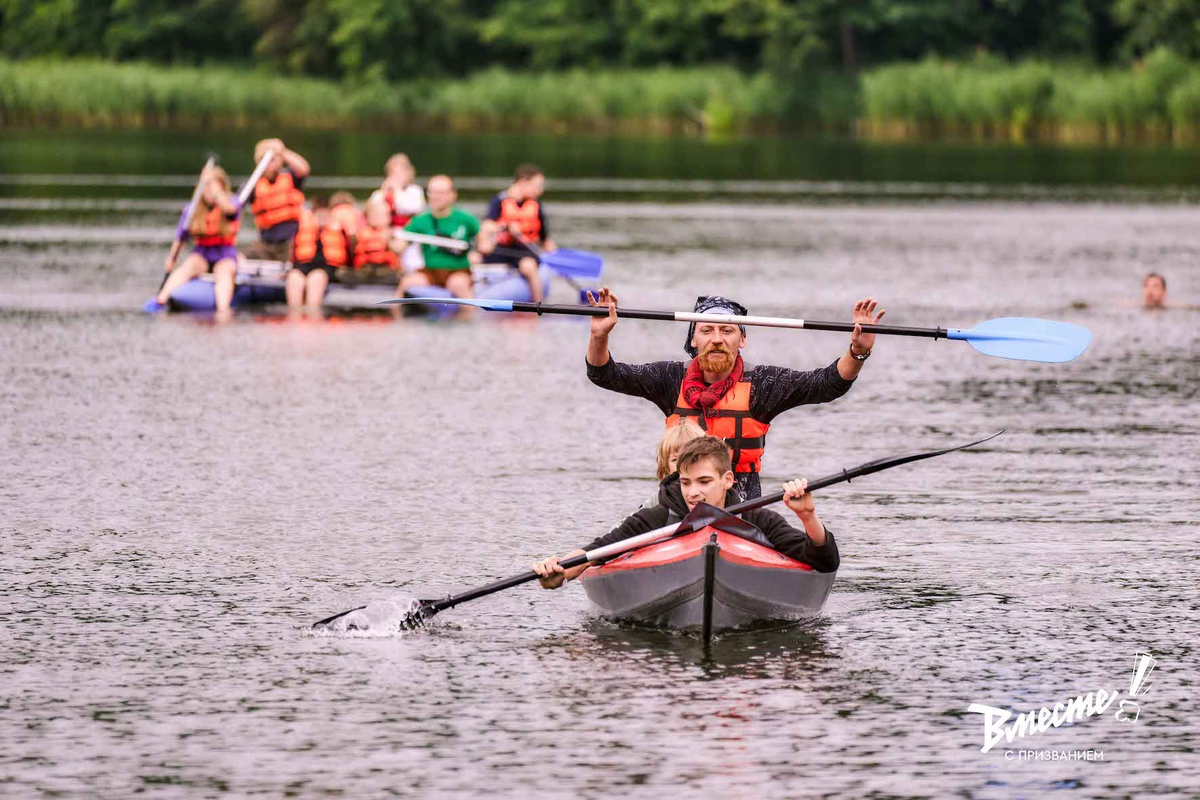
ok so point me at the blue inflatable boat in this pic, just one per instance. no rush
(261, 284)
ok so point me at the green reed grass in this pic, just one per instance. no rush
(982, 98)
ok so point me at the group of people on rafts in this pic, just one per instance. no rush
(326, 239)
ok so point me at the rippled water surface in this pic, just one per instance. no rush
(180, 499)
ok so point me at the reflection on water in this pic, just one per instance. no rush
(181, 500)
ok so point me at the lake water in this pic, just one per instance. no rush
(179, 500)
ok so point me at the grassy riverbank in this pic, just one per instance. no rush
(1155, 100)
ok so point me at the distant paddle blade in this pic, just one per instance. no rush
(1026, 339)
(575, 263)
(487, 305)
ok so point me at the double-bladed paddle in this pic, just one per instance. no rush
(1020, 338)
(701, 515)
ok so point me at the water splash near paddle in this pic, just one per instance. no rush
(388, 617)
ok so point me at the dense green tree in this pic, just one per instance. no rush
(384, 39)
(167, 31)
(53, 27)
(294, 35)
(1155, 23)
(371, 40)
(365, 39)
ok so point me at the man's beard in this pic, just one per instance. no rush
(716, 358)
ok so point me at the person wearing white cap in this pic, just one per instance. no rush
(729, 399)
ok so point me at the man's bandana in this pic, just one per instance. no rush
(714, 304)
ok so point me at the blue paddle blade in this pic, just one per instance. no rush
(574, 263)
(487, 305)
(1026, 339)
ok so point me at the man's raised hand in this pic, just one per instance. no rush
(601, 326)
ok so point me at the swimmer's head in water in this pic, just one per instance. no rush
(1154, 291)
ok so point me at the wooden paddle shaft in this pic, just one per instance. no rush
(196, 192)
(436, 241)
(244, 194)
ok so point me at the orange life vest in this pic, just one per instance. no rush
(333, 241)
(276, 202)
(733, 424)
(372, 248)
(525, 215)
(212, 229)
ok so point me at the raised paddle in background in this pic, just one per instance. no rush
(422, 610)
(1018, 338)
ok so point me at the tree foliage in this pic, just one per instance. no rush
(373, 40)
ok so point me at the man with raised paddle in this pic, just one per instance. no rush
(729, 399)
(706, 475)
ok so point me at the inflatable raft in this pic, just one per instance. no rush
(260, 283)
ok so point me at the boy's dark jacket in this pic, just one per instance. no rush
(790, 541)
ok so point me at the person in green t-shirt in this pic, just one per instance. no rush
(444, 266)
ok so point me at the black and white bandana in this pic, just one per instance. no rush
(713, 304)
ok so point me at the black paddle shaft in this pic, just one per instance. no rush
(430, 607)
(669, 316)
(846, 475)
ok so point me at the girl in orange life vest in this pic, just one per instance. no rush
(276, 201)
(517, 214)
(213, 225)
(320, 248)
(375, 259)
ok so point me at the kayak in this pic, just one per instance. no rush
(260, 283)
(709, 579)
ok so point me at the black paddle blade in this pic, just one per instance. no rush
(418, 612)
(704, 515)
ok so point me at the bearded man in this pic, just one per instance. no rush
(726, 397)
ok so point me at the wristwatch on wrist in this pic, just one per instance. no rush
(856, 356)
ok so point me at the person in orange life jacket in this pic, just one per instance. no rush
(343, 211)
(443, 266)
(213, 225)
(321, 246)
(706, 475)
(375, 249)
(517, 214)
(276, 201)
(729, 399)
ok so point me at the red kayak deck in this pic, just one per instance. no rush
(733, 548)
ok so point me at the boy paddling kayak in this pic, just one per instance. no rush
(706, 475)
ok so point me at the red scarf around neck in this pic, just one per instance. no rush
(700, 395)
